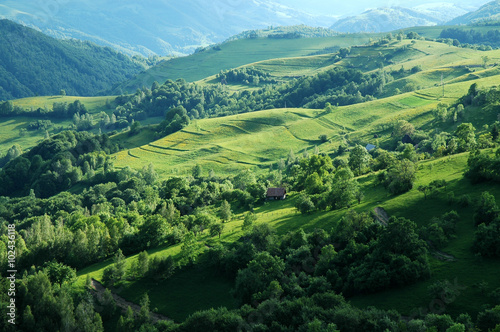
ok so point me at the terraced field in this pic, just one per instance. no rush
(255, 140)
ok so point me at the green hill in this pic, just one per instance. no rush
(32, 63)
(189, 209)
(487, 12)
(212, 60)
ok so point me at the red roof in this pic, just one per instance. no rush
(275, 192)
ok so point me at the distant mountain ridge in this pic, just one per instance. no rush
(488, 12)
(154, 27)
(393, 18)
(32, 63)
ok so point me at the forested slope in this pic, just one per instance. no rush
(32, 63)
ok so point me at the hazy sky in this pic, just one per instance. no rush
(342, 7)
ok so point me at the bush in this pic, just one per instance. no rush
(304, 204)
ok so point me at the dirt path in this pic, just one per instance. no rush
(381, 215)
(121, 303)
(443, 256)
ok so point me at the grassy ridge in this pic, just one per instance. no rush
(234, 54)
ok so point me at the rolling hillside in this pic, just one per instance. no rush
(178, 297)
(193, 202)
(234, 54)
(205, 141)
(256, 140)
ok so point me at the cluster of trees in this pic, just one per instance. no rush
(45, 303)
(487, 220)
(32, 63)
(157, 268)
(56, 164)
(337, 86)
(12, 153)
(304, 31)
(464, 138)
(287, 35)
(175, 119)
(60, 110)
(483, 167)
(440, 230)
(324, 183)
(360, 256)
(472, 36)
(245, 76)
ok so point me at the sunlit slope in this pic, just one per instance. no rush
(256, 140)
(431, 61)
(186, 292)
(237, 53)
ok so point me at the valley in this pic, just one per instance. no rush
(152, 188)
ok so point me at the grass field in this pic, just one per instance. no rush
(257, 139)
(238, 53)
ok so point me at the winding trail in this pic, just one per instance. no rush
(98, 291)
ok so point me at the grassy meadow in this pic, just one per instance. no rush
(237, 53)
(257, 139)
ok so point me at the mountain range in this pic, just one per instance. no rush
(392, 18)
(154, 27)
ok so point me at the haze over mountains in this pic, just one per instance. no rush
(155, 27)
(175, 28)
(392, 18)
(489, 11)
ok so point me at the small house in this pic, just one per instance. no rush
(276, 193)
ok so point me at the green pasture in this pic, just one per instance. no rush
(93, 104)
(237, 53)
(257, 139)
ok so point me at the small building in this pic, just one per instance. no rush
(370, 147)
(276, 193)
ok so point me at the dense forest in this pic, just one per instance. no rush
(463, 36)
(32, 63)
